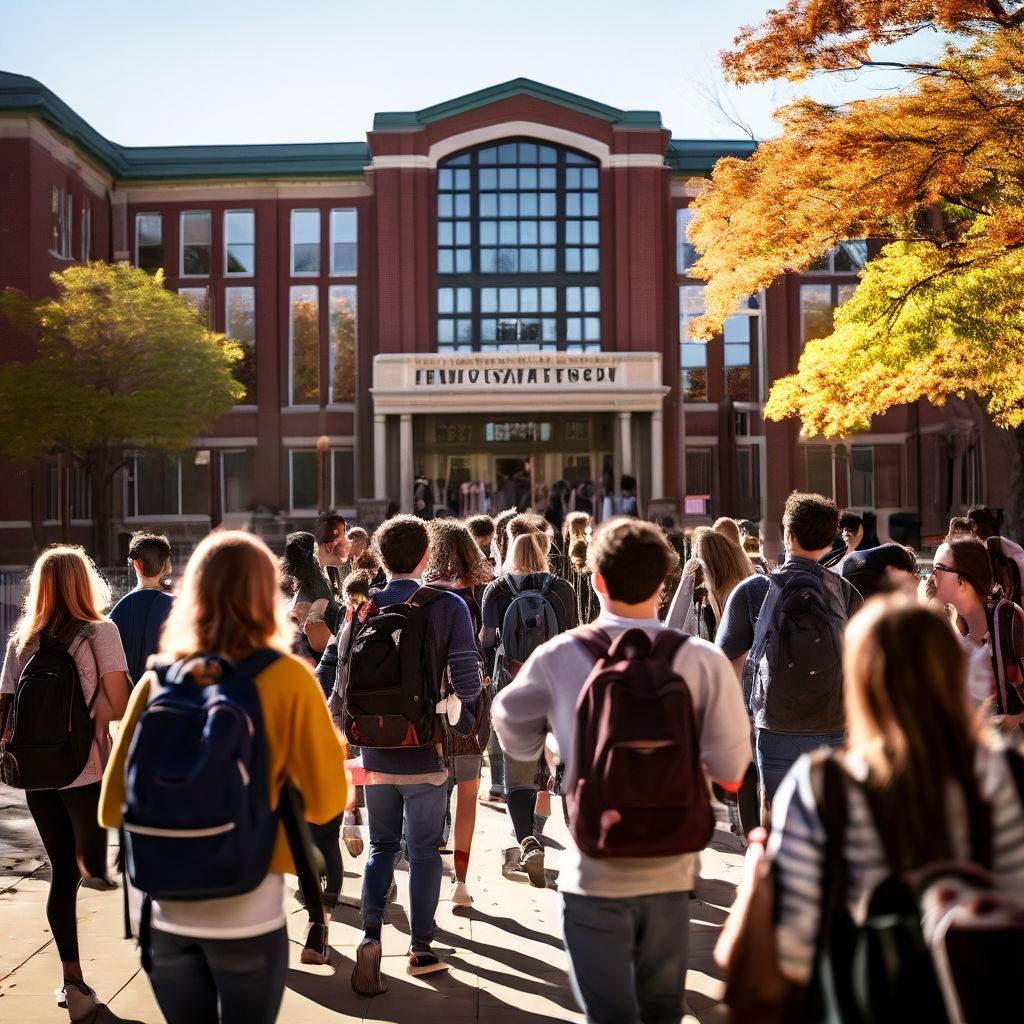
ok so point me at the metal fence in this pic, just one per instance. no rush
(14, 586)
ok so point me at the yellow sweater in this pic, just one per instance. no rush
(302, 746)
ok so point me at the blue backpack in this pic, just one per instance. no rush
(197, 819)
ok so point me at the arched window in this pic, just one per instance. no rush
(518, 250)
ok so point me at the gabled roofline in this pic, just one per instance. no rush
(411, 120)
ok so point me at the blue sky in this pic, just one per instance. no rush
(187, 72)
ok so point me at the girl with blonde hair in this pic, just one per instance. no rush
(204, 953)
(64, 610)
(573, 567)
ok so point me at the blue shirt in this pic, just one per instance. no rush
(139, 617)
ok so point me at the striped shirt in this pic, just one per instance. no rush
(797, 850)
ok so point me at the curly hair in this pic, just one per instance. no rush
(455, 555)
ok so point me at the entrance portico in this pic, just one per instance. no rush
(483, 408)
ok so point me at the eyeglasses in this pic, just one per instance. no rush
(939, 567)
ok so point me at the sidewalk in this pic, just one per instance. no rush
(507, 963)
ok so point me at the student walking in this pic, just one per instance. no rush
(315, 611)
(458, 565)
(482, 529)
(140, 614)
(222, 957)
(913, 786)
(64, 680)
(572, 564)
(625, 898)
(783, 633)
(398, 662)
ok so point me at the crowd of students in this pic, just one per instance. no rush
(622, 674)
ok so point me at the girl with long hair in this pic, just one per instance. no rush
(64, 607)
(920, 781)
(457, 564)
(314, 609)
(205, 953)
(572, 564)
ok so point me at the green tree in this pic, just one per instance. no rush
(120, 362)
(934, 169)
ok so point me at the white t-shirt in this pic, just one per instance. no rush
(545, 692)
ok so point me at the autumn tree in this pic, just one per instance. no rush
(120, 361)
(935, 169)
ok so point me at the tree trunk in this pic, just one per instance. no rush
(1013, 526)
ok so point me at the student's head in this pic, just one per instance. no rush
(810, 523)
(986, 521)
(403, 544)
(358, 542)
(501, 532)
(330, 531)
(527, 522)
(728, 528)
(627, 485)
(149, 555)
(64, 589)
(907, 714)
(576, 533)
(959, 528)
(851, 529)
(630, 560)
(725, 565)
(454, 555)
(482, 529)
(881, 570)
(576, 525)
(963, 575)
(228, 602)
(357, 588)
(528, 553)
(369, 561)
(300, 564)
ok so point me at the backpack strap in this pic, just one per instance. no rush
(829, 789)
(667, 644)
(253, 664)
(595, 639)
(424, 596)
(765, 616)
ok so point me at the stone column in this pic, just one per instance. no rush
(405, 475)
(380, 466)
(626, 442)
(657, 456)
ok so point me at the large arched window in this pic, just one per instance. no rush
(518, 250)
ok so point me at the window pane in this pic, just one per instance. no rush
(887, 476)
(156, 485)
(240, 226)
(304, 479)
(344, 495)
(700, 475)
(198, 299)
(236, 470)
(862, 474)
(343, 342)
(304, 321)
(343, 241)
(815, 311)
(240, 324)
(195, 486)
(195, 228)
(818, 461)
(851, 255)
(305, 241)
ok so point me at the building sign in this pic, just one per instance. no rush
(517, 370)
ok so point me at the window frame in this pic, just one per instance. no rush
(85, 239)
(228, 289)
(319, 241)
(236, 274)
(292, 508)
(132, 476)
(160, 217)
(290, 403)
(332, 270)
(222, 476)
(332, 400)
(181, 245)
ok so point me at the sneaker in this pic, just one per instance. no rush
(461, 896)
(512, 863)
(316, 950)
(366, 976)
(79, 1000)
(533, 862)
(351, 834)
(424, 961)
(99, 883)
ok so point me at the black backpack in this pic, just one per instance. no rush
(394, 676)
(797, 674)
(49, 732)
(529, 621)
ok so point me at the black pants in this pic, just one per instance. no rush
(327, 839)
(244, 977)
(74, 841)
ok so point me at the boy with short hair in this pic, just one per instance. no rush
(140, 614)
(626, 919)
(410, 784)
(482, 528)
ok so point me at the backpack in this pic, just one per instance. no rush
(529, 621)
(394, 676)
(48, 736)
(197, 817)
(937, 944)
(796, 682)
(1007, 632)
(639, 787)
(1005, 568)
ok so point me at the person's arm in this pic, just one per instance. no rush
(112, 700)
(463, 661)
(327, 667)
(111, 674)
(736, 630)
(520, 712)
(112, 790)
(489, 625)
(724, 726)
(317, 632)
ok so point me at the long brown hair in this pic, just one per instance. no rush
(455, 555)
(906, 709)
(528, 554)
(65, 590)
(725, 565)
(228, 602)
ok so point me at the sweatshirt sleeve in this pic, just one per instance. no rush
(112, 790)
(521, 711)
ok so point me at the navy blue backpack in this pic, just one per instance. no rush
(197, 817)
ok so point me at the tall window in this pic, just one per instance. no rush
(815, 312)
(343, 482)
(195, 243)
(740, 337)
(686, 255)
(149, 242)
(303, 468)
(86, 232)
(61, 212)
(344, 239)
(240, 242)
(302, 477)
(342, 327)
(700, 482)
(240, 324)
(76, 479)
(304, 345)
(305, 243)
(518, 257)
(236, 475)
(198, 299)
(818, 469)
(166, 485)
(693, 354)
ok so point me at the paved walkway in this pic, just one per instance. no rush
(505, 952)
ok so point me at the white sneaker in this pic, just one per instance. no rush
(461, 896)
(81, 1002)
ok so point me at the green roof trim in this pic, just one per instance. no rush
(697, 157)
(397, 121)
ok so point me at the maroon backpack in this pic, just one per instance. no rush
(640, 789)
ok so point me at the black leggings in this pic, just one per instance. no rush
(327, 839)
(75, 845)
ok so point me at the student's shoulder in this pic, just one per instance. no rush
(703, 653)
(286, 673)
(103, 631)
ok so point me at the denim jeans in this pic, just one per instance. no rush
(497, 758)
(627, 957)
(192, 977)
(777, 751)
(423, 809)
